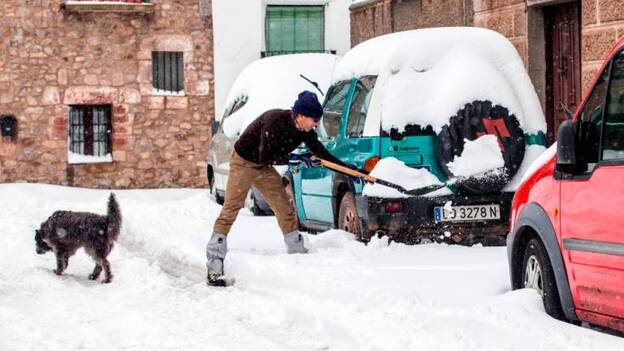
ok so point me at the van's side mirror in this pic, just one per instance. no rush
(566, 148)
(215, 127)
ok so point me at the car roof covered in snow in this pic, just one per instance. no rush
(275, 82)
(427, 75)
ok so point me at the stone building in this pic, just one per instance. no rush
(561, 42)
(109, 95)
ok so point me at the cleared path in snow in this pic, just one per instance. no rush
(341, 296)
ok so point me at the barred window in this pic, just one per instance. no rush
(168, 72)
(90, 129)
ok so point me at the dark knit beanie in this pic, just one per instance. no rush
(308, 105)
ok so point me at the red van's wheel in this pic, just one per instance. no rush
(537, 273)
(348, 219)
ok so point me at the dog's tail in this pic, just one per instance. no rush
(113, 217)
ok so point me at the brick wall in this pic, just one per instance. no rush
(413, 14)
(373, 18)
(370, 19)
(51, 58)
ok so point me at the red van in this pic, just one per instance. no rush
(567, 219)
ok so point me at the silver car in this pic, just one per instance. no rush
(265, 84)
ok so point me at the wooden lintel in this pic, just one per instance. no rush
(107, 7)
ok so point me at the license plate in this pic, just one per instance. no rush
(466, 213)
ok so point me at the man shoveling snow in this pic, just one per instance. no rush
(266, 142)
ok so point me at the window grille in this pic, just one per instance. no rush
(168, 72)
(90, 129)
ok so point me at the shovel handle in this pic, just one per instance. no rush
(347, 171)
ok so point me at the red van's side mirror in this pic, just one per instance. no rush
(566, 148)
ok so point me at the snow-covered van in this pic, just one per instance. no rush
(268, 83)
(447, 106)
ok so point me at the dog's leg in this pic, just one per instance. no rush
(60, 262)
(96, 272)
(107, 271)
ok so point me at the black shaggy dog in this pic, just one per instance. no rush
(66, 231)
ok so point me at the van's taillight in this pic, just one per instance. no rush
(394, 206)
(371, 163)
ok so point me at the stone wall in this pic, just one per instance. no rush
(602, 25)
(50, 59)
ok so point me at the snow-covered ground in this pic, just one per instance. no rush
(342, 296)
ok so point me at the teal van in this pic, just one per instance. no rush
(420, 96)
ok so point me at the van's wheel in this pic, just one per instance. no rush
(537, 273)
(251, 205)
(291, 196)
(348, 219)
(213, 190)
(474, 120)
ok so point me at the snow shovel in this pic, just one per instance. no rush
(373, 180)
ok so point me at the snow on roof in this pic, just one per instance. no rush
(275, 82)
(427, 75)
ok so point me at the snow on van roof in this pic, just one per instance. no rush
(427, 75)
(275, 82)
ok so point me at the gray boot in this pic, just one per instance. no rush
(215, 253)
(294, 243)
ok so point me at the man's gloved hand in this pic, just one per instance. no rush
(304, 160)
(358, 180)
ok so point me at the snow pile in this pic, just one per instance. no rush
(478, 157)
(392, 170)
(425, 76)
(74, 158)
(275, 82)
(344, 295)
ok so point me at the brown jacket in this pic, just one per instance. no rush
(271, 138)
